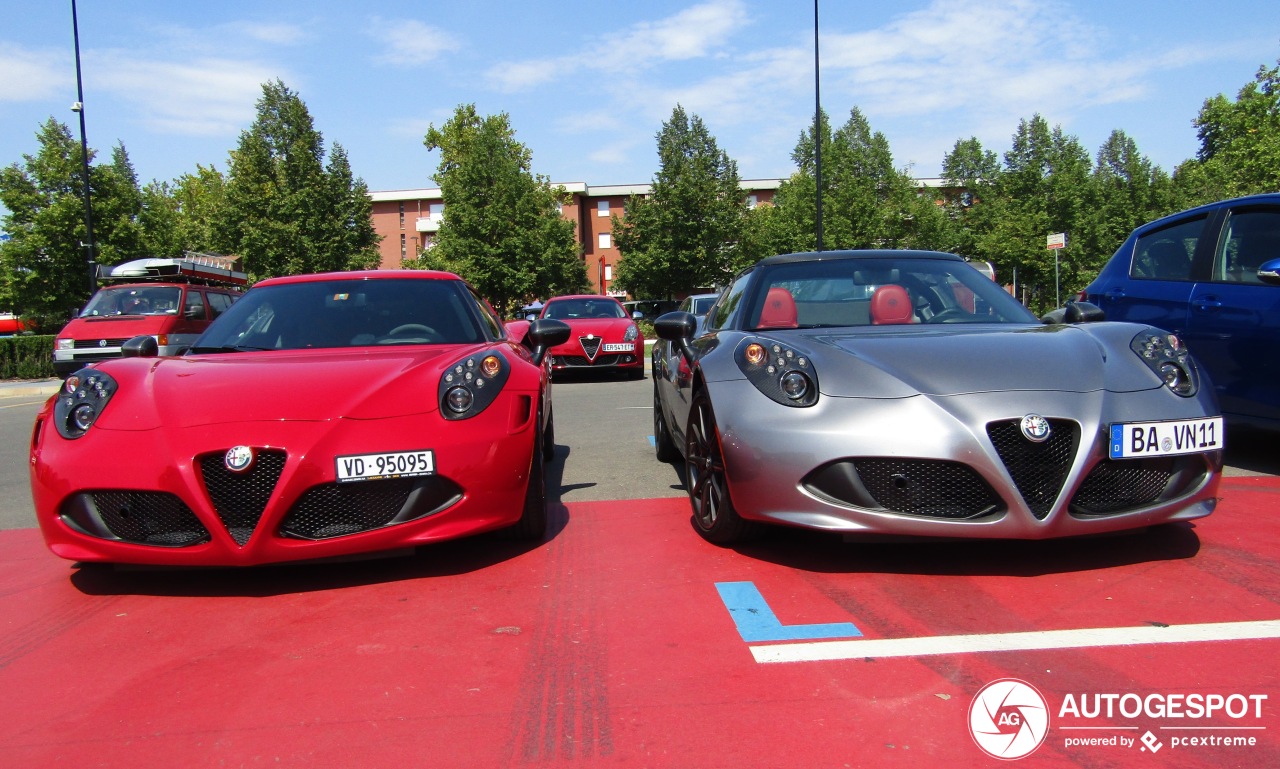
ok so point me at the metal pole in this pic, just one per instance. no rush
(84, 157)
(817, 128)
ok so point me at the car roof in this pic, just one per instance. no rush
(597, 297)
(1266, 197)
(321, 277)
(878, 253)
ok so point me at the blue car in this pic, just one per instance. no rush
(1211, 275)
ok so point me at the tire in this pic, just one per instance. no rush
(533, 518)
(549, 437)
(714, 515)
(663, 445)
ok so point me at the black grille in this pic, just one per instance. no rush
(140, 517)
(578, 360)
(339, 509)
(1118, 486)
(929, 488)
(87, 344)
(590, 346)
(1037, 469)
(240, 498)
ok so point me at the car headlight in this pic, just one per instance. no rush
(64, 344)
(84, 395)
(632, 333)
(780, 371)
(1168, 357)
(470, 385)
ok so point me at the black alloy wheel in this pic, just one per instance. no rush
(663, 445)
(533, 518)
(713, 513)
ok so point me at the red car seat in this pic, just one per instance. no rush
(890, 304)
(779, 309)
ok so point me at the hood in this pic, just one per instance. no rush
(901, 362)
(299, 385)
(612, 328)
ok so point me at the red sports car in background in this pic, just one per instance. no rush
(320, 415)
(603, 336)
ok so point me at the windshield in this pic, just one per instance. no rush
(134, 300)
(889, 291)
(347, 313)
(575, 309)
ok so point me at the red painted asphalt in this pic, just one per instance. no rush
(609, 645)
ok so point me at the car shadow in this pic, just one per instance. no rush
(1251, 449)
(824, 552)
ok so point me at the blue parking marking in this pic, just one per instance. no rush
(652, 442)
(757, 622)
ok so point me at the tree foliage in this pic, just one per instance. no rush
(502, 229)
(685, 234)
(44, 271)
(285, 211)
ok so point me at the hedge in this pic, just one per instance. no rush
(26, 357)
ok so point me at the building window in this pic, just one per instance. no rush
(606, 240)
(437, 210)
(752, 201)
(402, 215)
(404, 247)
(602, 208)
(608, 272)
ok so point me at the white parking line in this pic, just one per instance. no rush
(817, 651)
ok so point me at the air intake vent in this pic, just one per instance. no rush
(240, 498)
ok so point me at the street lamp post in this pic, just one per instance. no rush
(817, 131)
(78, 107)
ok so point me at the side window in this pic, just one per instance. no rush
(193, 305)
(1251, 238)
(218, 303)
(726, 309)
(1166, 253)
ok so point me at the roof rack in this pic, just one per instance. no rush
(203, 269)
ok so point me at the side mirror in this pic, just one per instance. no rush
(637, 315)
(545, 333)
(1269, 272)
(678, 328)
(140, 347)
(1075, 312)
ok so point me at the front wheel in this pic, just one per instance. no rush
(664, 446)
(713, 513)
(533, 518)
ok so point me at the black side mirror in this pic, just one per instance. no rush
(545, 333)
(140, 347)
(1075, 312)
(679, 328)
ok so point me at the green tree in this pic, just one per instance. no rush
(43, 267)
(685, 235)
(285, 212)
(1126, 189)
(502, 228)
(183, 215)
(1239, 144)
(866, 202)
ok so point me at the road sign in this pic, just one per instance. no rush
(1056, 241)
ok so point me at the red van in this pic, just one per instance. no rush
(173, 300)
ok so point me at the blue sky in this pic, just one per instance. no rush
(588, 85)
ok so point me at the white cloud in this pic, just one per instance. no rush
(273, 34)
(193, 97)
(30, 75)
(410, 43)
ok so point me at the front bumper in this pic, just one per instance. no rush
(951, 466)
(572, 357)
(163, 497)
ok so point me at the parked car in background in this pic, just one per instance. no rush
(904, 393)
(697, 305)
(170, 300)
(604, 336)
(648, 309)
(1211, 275)
(320, 416)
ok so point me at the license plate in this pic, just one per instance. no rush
(619, 347)
(1161, 439)
(390, 464)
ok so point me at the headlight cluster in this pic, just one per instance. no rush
(779, 371)
(84, 395)
(1169, 358)
(632, 332)
(470, 385)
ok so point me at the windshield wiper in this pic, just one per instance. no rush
(227, 348)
